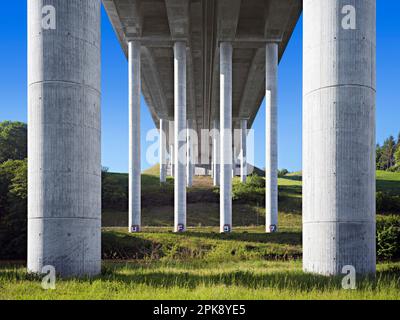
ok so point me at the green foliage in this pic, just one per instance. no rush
(387, 203)
(183, 280)
(13, 204)
(13, 141)
(388, 155)
(114, 191)
(282, 173)
(253, 191)
(388, 237)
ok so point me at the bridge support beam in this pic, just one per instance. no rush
(134, 137)
(271, 148)
(226, 136)
(163, 151)
(64, 145)
(243, 150)
(339, 136)
(180, 135)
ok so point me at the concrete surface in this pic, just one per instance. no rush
(64, 149)
(339, 138)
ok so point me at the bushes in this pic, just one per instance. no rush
(13, 204)
(388, 238)
(387, 203)
(253, 191)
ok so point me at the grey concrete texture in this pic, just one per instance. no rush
(216, 143)
(339, 138)
(226, 135)
(271, 140)
(190, 161)
(180, 135)
(243, 150)
(163, 150)
(134, 72)
(64, 149)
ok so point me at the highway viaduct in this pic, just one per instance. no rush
(202, 64)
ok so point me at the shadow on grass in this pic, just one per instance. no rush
(295, 280)
(293, 238)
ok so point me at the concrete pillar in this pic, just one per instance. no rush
(339, 136)
(163, 151)
(180, 135)
(216, 153)
(134, 137)
(243, 150)
(64, 147)
(171, 160)
(271, 148)
(226, 136)
(189, 154)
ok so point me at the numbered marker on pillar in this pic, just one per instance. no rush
(181, 228)
(135, 229)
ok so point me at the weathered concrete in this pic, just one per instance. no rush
(226, 136)
(190, 153)
(64, 149)
(134, 137)
(243, 150)
(271, 128)
(180, 135)
(339, 137)
(163, 150)
(216, 153)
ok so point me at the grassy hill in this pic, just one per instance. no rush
(201, 263)
(248, 204)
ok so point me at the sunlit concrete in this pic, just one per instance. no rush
(339, 136)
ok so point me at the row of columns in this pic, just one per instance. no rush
(64, 162)
(182, 149)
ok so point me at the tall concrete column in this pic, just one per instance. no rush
(226, 136)
(339, 136)
(171, 160)
(163, 151)
(216, 153)
(64, 147)
(180, 135)
(189, 154)
(134, 137)
(243, 150)
(271, 148)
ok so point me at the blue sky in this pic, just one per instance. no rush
(13, 105)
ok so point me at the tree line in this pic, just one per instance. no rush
(388, 155)
(13, 190)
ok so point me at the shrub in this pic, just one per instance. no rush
(387, 203)
(253, 191)
(388, 237)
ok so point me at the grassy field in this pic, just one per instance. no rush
(203, 264)
(201, 279)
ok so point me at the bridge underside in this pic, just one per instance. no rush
(203, 24)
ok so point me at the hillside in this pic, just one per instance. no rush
(203, 199)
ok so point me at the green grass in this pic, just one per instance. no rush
(202, 280)
(202, 263)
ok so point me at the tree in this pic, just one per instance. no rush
(386, 157)
(397, 156)
(13, 209)
(13, 141)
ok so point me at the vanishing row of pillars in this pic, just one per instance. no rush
(182, 149)
(64, 136)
